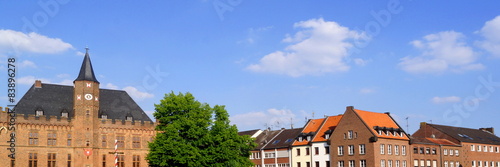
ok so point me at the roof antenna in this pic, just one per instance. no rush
(291, 123)
(407, 126)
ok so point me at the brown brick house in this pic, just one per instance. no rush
(59, 125)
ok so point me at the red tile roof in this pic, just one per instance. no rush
(330, 123)
(441, 141)
(373, 119)
(312, 126)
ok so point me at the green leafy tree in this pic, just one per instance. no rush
(193, 134)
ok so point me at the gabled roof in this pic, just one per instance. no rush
(468, 135)
(86, 71)
(310, 129)
(283, 139)
(328, 126)
(265, 137)
(383, 121)
(53, 99)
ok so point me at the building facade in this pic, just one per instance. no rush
(79, 125)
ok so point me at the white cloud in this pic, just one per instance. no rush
(80, 53)
(492, 37)
(27, 64)
(111, 86)
(136, 94)
(319, 47)
(15, 41)
(360, 62)
(254, 34)
(449, 99)
(366, 91)
(30, 80)
(441, 52)
(274, 118)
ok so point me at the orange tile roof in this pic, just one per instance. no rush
(373, 119)
(330, 124)
(441, 141)
(312, 126)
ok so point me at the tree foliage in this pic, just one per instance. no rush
(193, 134)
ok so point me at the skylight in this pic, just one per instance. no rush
(276, 141)
(288, 140)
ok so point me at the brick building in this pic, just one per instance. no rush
(58, 125)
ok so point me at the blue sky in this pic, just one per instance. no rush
(272, 63)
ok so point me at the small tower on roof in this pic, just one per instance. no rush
(86, 71)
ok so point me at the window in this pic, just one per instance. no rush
(428, 163)
(355, 135)
(120, 141)
(473, 163)
(445, 151)
(403, 150)
(51, 160)
(33, 160)
(340, 164)
(422, 163)
(104, 117)
(397, 163)
(396, 150)
(345, 136)
(496, 150)
(64, 114)
(136, 161)
(104, 141)
(457, 164)
(298, 151)
(51, 139)
(382, 163)
(472, 148)
(382, 149)
(300, 138)
(351, 163)
(456, 153)
(316, 150)
(68, 141)
(307, 151)
(362, 163)
(479, 163)
(434, 163)
(38, 113)
(121, 160)
(415, 150)
(379, 132)
(427, 150)
(389, 149)
(486, 162)
(255, 155)
(136, 142)
(433, 151)
(415, 163)
(308, 164)
(445, 163)
(316, 164)
(452, 164)
(351, 149)
(389, 163)
(491, 148)
(269, 155)
(485, 148)
(327, 150)
(404, 163)
(308, 138)
(341, 150)
(421, 150)
(104, 160)
(33, 138)
(298, 164)
(69, 160)
(451, 152)
(362, 149)
(350, 134)
(327, 136)
(327, 163)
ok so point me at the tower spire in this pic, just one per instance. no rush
(86, 71)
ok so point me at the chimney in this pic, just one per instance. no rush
(490, 130)
(423, 124)
(38, 84)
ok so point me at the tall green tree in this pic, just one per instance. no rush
(193, 134)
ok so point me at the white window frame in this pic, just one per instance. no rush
(350, 134)
(382, 149)
(472, 148)
(351, 149)
(403, 150)
(396, 149)
(382, 163)
(340, 150)
(389, 149)
(362, 149)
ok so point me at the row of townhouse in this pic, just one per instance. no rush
(360, 138)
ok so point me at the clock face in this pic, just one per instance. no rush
(88, 97)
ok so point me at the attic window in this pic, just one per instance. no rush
(128, 118)
(288, 140)
(308, 138)
(64, 114)
(104, 116)
(379, 132)
(327, 136)
(38, 112)
(300, 138)
(276, 141)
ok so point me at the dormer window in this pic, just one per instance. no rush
(379, 132)
(64, 114)
(128, 118)
(300, 138)
(38, 113)
(327, 136)
(308, 138)
(104, 117)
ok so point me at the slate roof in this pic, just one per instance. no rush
(265, 137)
(86, 71)
(248, 132)
(468, 135)
(283, 139)
(53, 99)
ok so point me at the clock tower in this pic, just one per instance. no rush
(86, 110)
